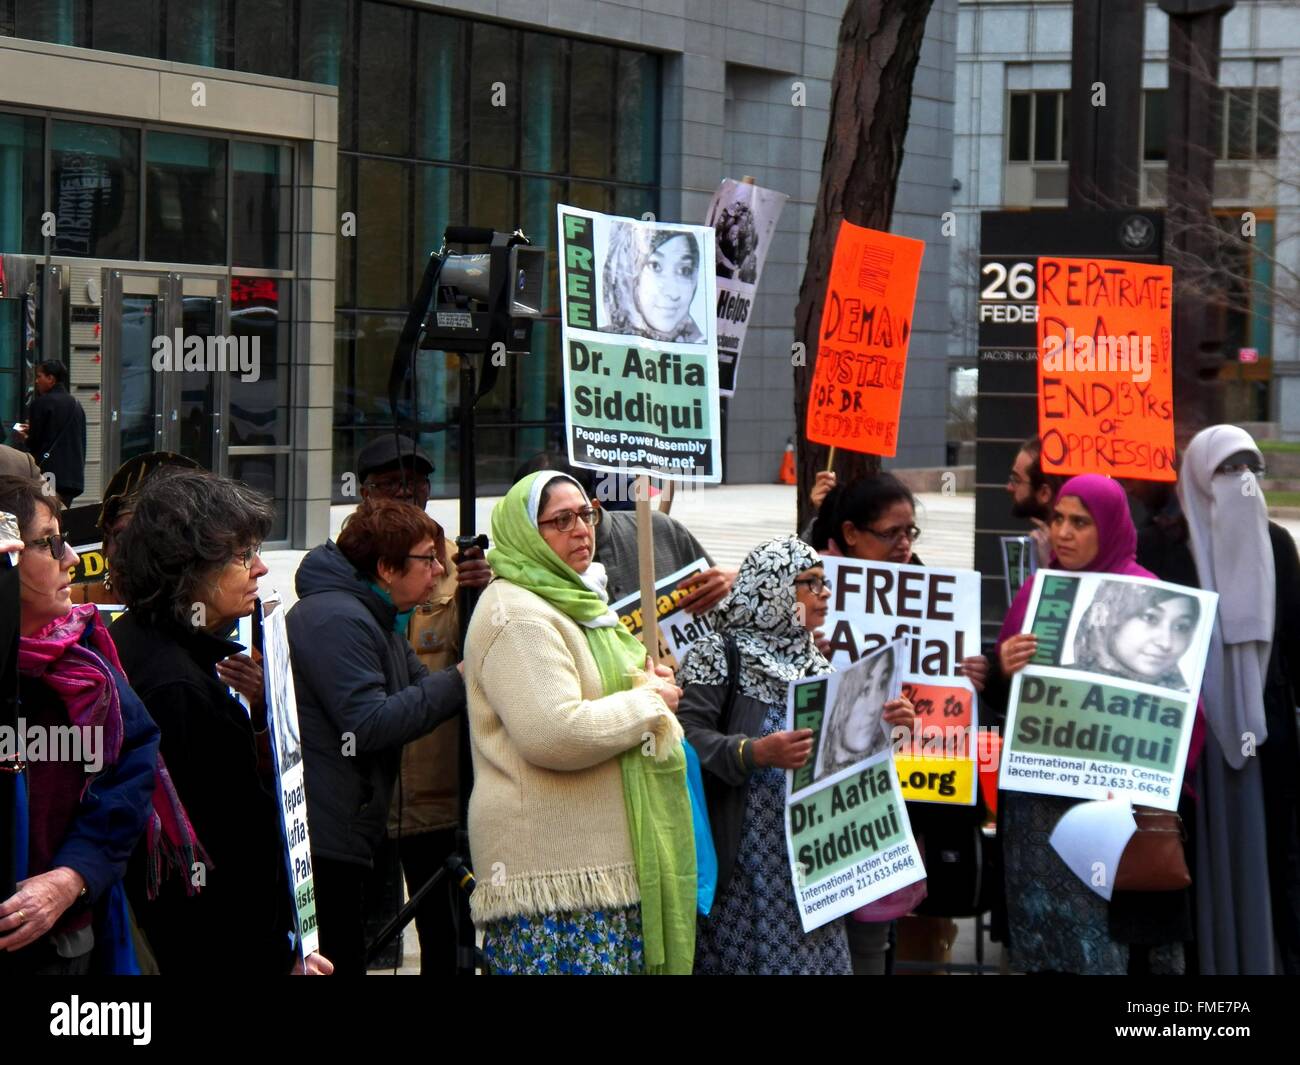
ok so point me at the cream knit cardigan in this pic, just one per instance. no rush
(547, 823)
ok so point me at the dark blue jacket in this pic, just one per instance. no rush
(115, 809)
(362, 693)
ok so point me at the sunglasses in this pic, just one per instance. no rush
(58, 545)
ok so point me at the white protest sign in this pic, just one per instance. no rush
(874, 603)
(639, 342)
(743, 217)
(286, 753)
(677, 629)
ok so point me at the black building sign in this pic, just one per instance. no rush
(1010, 244)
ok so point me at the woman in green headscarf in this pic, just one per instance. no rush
(580, 821)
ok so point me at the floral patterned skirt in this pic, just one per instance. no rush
(582, 943)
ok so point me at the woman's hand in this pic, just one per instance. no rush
(821, 487)
(244, 675)
(976, 670)
(1041, 536)
(317, 965)
(784, 750)
(900, 713)
(37, 906)
(1016, 651)
(661, 680)
(823, 642)
(705, 590)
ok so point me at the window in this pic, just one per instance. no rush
(22, 185)
(95, 190)
(57, 23)
(131, 28)
(261, 221)
(322, 26)
(484, 125)
(1244, 124)
(1038, 127)
(185, 198)
(198, 32)
(262, 34)
(1248, 123)
(1153, 125)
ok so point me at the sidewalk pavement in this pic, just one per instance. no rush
(729, 520)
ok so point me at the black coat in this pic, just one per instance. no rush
(1165, 551)
(726, 778)
(362, 694)
(56, 437)
(242, 920)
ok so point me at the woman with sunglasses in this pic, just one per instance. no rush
(186, 566)
(85, 808)
(362, 694)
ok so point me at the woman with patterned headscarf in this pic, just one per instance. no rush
(778, 600)
(650, 279)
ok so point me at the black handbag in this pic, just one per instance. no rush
(962, 864)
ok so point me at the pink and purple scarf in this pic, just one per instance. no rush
(83, 678)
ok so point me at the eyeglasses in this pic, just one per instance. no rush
(1015, 480)
(428, 560)
(563, 521)
(815, 584)
(893, 536)
(245, 558)
(58, 545)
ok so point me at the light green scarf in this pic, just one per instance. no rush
(654, 789)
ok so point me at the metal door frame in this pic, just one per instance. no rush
(170, 287)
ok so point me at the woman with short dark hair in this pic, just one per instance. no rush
(362, 694)
(187, 566)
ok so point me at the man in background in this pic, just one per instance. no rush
(1032, 493)
(55, 433)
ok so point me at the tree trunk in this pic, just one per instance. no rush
(871, 97)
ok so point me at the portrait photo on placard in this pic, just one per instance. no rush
(651, 283)
(1138, 631)
(736, 232)
(855, 728)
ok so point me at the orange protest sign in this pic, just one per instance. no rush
(866, 323)
(1105, 370)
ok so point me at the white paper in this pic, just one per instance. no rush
(1090, 839)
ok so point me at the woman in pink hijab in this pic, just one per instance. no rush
(1056, 922)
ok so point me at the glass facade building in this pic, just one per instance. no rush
(441, 120)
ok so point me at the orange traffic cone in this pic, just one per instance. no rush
(787, 474)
